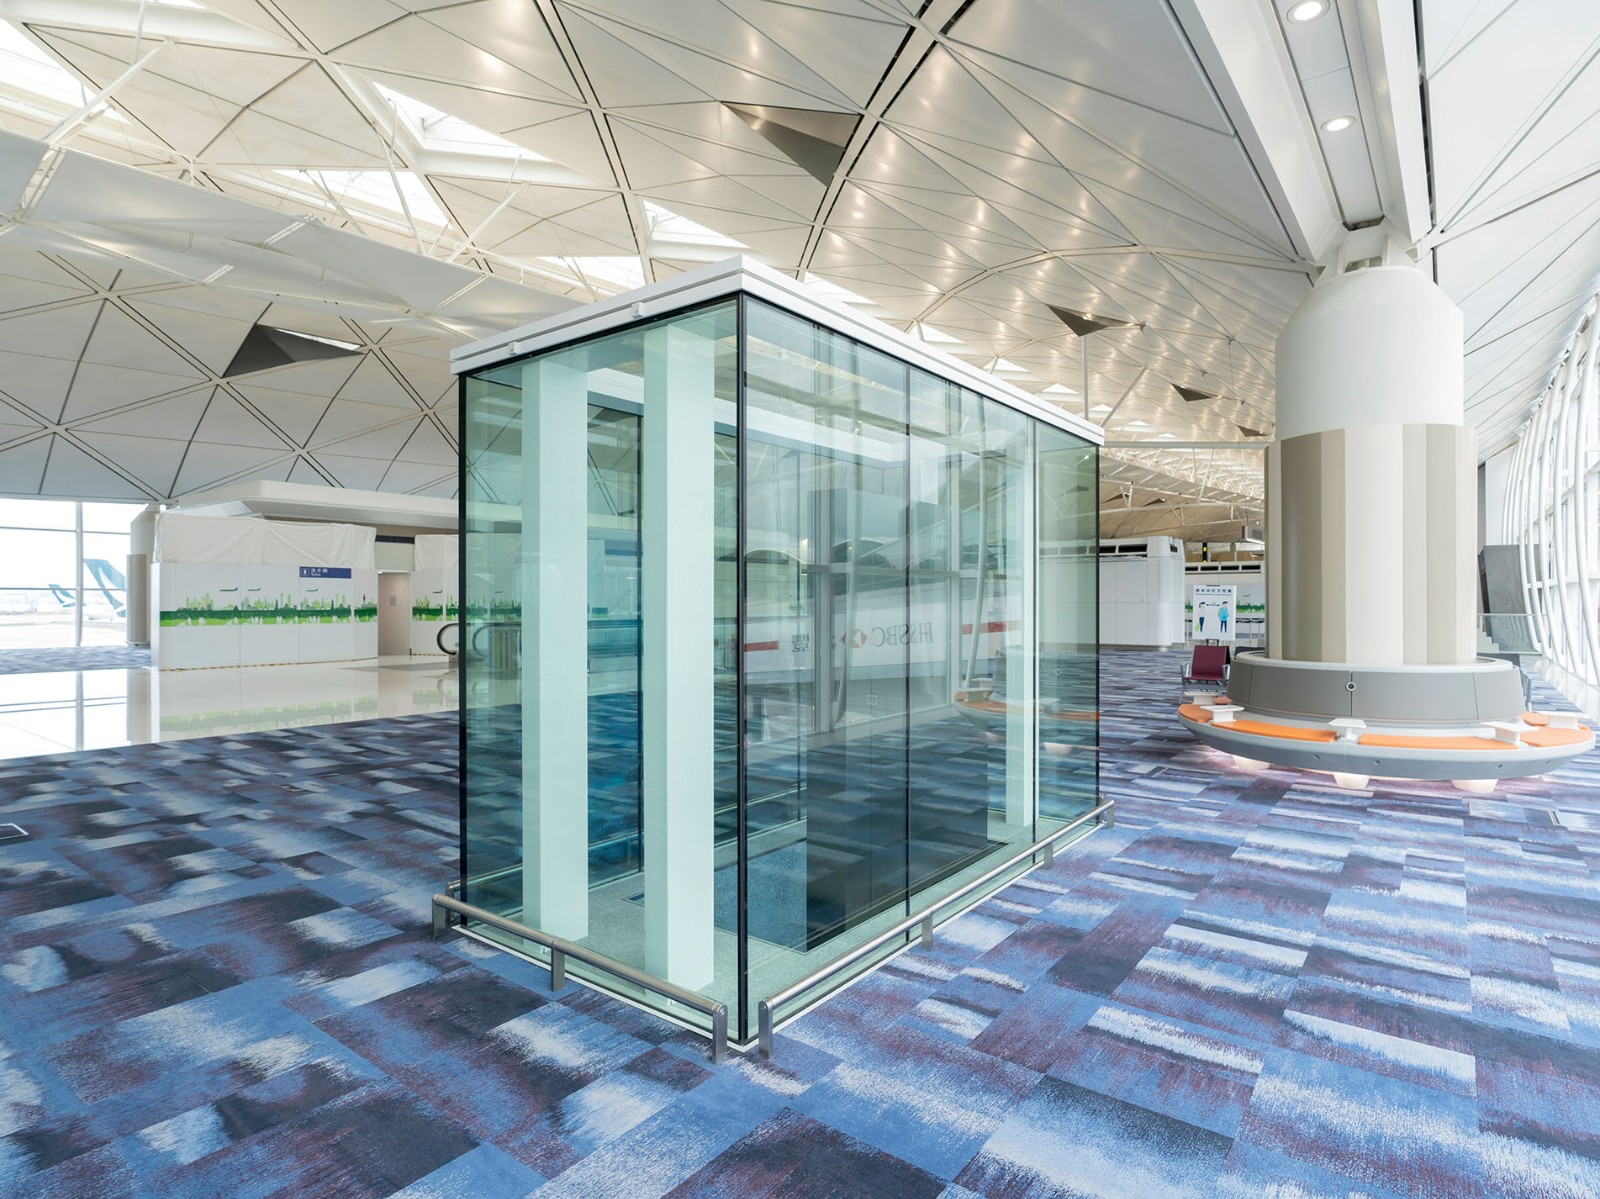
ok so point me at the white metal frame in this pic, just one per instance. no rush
(1552, 507)
(743, 274)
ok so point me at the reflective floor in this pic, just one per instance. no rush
(93, 709)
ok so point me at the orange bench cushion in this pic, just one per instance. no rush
(1257, 728)
(1286, 732)
(1551, 738)
(1539, 722)
(1396, 741)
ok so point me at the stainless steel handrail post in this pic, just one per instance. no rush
(562, 949)
(766, 1008)
(719, 1034)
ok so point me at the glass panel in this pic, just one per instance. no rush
(110, 518)
(491, 638)
(105, 587)
(558, 612)
(953, 751)
(38, 582)
(1068, 635)
(973, 758)
(826, 647)
(38, 514)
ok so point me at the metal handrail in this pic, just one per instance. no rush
(561, 949)
(924, 918)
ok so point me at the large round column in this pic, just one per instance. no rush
(1371, 502)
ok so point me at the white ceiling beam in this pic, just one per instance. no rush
(1381, 37)
(129, 17)
(1240, 47)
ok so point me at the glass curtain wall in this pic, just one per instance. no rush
(62, 573)
(1553, 512)
(827, 638)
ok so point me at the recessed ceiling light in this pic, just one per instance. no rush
(1307, 10)
(1338, 124)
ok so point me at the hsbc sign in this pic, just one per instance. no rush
(920, 633)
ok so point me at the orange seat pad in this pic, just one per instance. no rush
(1551, 738)
(1194, 712)
(1285, 732)
(1540, 722)
(1396, 741)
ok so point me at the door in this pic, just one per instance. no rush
(394, 613)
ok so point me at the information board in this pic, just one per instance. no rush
(1215, 607)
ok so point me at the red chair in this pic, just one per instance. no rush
(1208, 666)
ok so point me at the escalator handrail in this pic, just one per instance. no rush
(438, 638)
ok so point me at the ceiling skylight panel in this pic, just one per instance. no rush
(841, 295)
(436, 129)
(668, 228)
(616, 273)
(26, 68)
(375, 191)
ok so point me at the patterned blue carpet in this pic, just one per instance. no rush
(87, 657)
(214, 980)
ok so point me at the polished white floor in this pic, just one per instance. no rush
(95, 709)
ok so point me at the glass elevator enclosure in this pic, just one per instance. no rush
(778, 627)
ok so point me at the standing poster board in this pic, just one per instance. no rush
(1215, 609)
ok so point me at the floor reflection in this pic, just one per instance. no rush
(93, 709)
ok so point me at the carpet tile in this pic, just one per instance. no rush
(216, 979)
(87, 657)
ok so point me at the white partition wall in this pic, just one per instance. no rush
(434, 584)
(1141, 592)
(197, 614)
(244, 592)
(269, 600)
(364, 612)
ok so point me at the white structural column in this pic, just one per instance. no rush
(555, 624)
(1372, 496)
(1022, 647)
(678, 568)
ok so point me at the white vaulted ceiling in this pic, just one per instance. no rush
(1514, 87)
(401, 175)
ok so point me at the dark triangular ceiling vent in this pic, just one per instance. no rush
(811, 138)
(265, 347)
(1153, 503)
(1249, 432)
(1084, 323)
(1192, 394)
